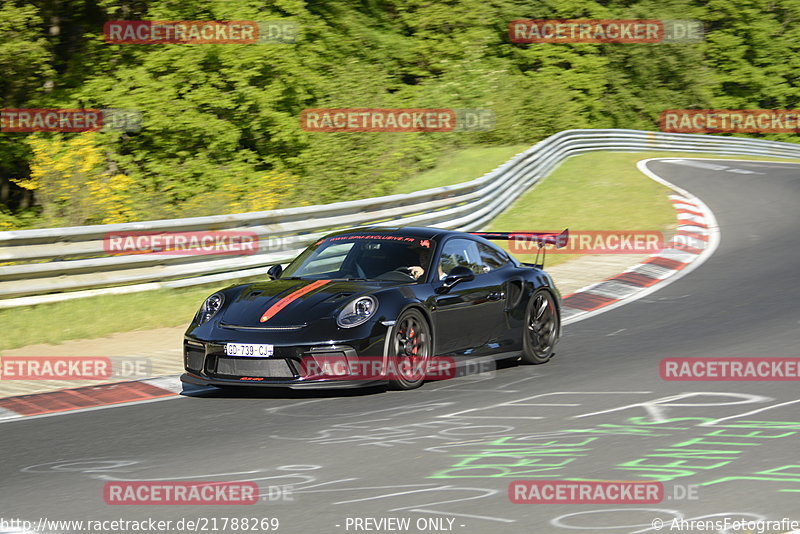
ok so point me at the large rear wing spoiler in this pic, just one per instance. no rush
(540, 238)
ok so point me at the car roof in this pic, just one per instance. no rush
(421, 232)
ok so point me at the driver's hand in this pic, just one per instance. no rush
(416, 271)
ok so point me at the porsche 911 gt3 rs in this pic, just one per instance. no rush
(377, 305)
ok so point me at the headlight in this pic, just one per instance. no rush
(210, 307)
(357, 312)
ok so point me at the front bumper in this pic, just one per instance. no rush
(306, 365)
(191, 378)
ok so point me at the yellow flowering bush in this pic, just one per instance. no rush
(262, 193)
(74, 183)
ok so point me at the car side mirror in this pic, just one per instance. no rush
(275, 272)
(456, 276)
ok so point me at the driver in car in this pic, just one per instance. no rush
(417, 271)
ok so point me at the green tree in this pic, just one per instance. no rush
(25, 64)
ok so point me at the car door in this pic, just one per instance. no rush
(466, 316)
(507, 329)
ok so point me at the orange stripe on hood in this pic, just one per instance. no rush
(291, 297)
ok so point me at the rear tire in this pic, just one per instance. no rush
(542, 326)
(409, 350)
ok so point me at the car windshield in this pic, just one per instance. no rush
(387, 257)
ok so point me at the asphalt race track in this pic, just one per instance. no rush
(444, 455)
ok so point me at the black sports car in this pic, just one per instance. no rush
(378, 305)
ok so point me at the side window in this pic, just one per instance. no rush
(491, 257)
(461, 252)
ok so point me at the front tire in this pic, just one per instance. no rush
(542, 326)
(409, 351)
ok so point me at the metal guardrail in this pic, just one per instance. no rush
(54, 264)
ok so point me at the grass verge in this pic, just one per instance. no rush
(595, 191)
(99, 316)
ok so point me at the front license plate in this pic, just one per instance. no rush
(258, 350)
